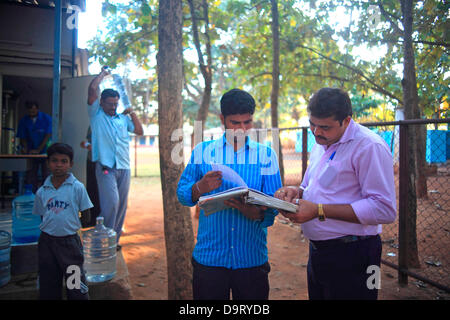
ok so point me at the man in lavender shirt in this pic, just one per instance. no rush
(347, 193)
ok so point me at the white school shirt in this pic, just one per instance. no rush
(59, 208)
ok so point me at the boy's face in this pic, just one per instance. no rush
(59, 164)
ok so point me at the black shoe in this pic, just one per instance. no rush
(119, 247)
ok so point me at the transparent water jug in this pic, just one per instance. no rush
(25, 224)
(99, 246)
(5, 254)
(6, 221)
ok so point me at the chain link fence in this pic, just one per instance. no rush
(417, 243)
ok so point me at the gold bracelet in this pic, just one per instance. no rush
(320, 212)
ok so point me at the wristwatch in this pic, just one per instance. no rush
(320, 212)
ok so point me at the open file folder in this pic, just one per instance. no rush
(215, 202)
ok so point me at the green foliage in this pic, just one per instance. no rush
(131, 34)
(314, 53)
(430, 28)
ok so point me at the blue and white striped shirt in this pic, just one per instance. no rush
(227, 238)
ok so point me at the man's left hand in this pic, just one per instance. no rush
(250, 211)
(127, 111)
(306, 211)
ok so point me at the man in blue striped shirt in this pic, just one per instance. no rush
(231, 248)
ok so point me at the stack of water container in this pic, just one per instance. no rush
(19, 229)
(5, 250)
(5, 247)
(25, 224)
(99, 246)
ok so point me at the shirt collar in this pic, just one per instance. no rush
(38, 117)
(349, 133)
(112, 117)
(249, 143)
(48, 182)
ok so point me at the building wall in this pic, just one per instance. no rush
(26, 41)
(26, 57)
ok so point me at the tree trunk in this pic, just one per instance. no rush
(177, 220)
(410, 99)
(276, 81)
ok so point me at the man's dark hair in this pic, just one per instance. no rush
(30, 104)
(108, 93)
(330, 102)
(61, 148)
(237, 101)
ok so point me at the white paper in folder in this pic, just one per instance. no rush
(230, 175)
(215, 202)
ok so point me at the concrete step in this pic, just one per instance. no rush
(24, 286)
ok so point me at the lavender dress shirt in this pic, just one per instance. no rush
(359, 173)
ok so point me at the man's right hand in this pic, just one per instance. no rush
(105, 71)
(210, 181)
(94, 86)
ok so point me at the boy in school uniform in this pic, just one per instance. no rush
(60, 251)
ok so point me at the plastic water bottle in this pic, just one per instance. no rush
(99, 246)
(5, 251)
(6, 221)
(25, 224)
(115, 81)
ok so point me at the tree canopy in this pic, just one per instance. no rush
(317, 49)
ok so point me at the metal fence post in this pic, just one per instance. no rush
(304, 150)
(135, 155)
(403, 205)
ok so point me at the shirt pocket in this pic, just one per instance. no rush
(121, 129)
(331, 174)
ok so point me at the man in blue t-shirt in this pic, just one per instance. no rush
(34, 132)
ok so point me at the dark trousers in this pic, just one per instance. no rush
(32, 175)
(61, 258)
(339, 271)
(215, 283)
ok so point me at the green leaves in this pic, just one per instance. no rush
(315, 51)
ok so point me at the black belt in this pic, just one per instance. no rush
(45, 234)
(318, 244)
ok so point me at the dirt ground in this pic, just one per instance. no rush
(144, 252)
